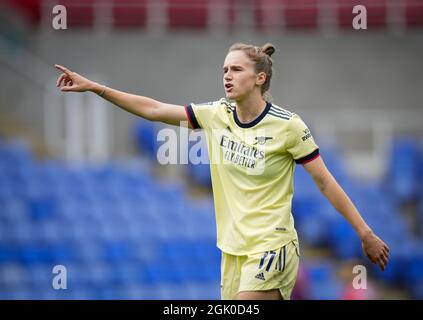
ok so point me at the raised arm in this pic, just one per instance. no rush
(144, 107)
(374, 248)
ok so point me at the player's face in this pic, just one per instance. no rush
(239, 76)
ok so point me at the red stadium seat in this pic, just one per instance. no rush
(31, 9)
(80, 13)
(188, 14)
(268, 13)
(376, 13)
(414, 13)
(130, 13)
(295, 14)
(228, 11)
(301, 14)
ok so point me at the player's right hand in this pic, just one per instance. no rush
(70, 81)
(376, 250)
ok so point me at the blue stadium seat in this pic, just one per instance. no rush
(6, 233)
(171, 291)
(33, 255)
(40, 276)
(62, 253)
(14, 211)
(133, 291)
(404, 162)
(207, 252)
(124, 274)
(8, 254)
(200, 226)
(312, 230)
(145, 133)
(149, 292)
(204, 291)
(414, 267)
(15, 152)
(343, 239)
(41, 208)
(111, 293)
(417, 290)
(160, 272)
(324, 285)
(99, 274)
(27, 233)
(200, 174)
(118, 252)
(21, 294)
(303, 207)
(329, 290)
(13, 277)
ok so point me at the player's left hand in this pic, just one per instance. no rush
(375, 249)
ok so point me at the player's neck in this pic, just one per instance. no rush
(250, 108)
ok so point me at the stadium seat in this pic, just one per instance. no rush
(301, 14)
(343, 239)
(294, 14)
(30, 9)
(117, 252)
(313, 230)
(130, 13)
(171, 291)
(41, 208)
(145, 291)
(403, 171)
(324, 285)
(268, 13)
(26, 233)
(160, 272)
(414, 267)
(16, 153)
(80, 13)
(40, 276)
(417, 290)
(7, 254)
(6, 233)
(191, 14)
(413, 13)
(14, 211)
(200, 174)
(145, 133)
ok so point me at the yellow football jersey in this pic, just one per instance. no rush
(252, 168)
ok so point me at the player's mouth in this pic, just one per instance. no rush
(228, 87)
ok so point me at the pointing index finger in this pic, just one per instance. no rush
(63, 69)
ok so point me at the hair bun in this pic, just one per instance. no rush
(268, 49)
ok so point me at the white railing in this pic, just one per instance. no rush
(367, 159)
(75, 126)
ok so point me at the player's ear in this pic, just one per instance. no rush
(261, 78)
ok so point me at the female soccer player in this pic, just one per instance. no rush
(253, 147)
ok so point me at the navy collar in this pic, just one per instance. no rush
(255, 121)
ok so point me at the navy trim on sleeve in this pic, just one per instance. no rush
(309, 157)
(191, 117)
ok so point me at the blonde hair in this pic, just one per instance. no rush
(261, 56)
